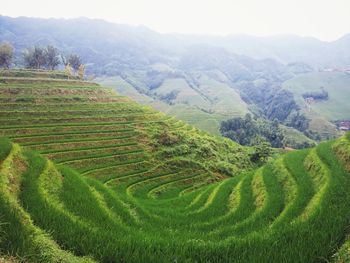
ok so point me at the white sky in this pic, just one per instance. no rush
(324, 19)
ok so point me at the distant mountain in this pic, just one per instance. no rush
(286, 48)
(98, 42)
(200, 79)
(119, 46)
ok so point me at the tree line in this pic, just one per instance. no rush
(259, 133)
(252, 131)
(317, 95)
(38, 57)
(277, 103)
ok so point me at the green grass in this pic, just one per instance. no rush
(26, 73)
(261, 210)
(19, 236)
(154, 190)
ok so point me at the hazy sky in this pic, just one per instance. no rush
(324, 19)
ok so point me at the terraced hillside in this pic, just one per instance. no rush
(111, 181)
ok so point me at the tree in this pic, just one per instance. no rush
(6, 54)
(75, 61)
(64, 60)
(170, 96)
(261, 152)
(167, 138)
(247, 131)
(39, 57)
(68, 70)
(298, 121)
(81, 71)
(51, 57)
(34, 57)
(28, 58)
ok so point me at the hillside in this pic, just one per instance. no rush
(93, 176)
(323, 113)
(204, 105)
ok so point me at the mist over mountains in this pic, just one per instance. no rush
(107, 47)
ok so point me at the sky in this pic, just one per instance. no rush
(324, 19)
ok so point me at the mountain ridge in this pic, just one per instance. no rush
(170, 41)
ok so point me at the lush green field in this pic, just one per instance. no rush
(322, 112)
(91, 176)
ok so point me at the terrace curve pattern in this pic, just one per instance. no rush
(90, 176)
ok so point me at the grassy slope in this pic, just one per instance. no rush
(282, 207)
(209, 122)
(224, 99)
(335, 108)
(186, 94)
(294, 137)
(19, 236)
(149, 188)
(204, 107)
(124, 88)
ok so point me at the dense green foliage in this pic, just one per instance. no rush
(250, 131)
(262, 151)
(298, 121)
(274, 102)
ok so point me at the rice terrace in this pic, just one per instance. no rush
(87, 175)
